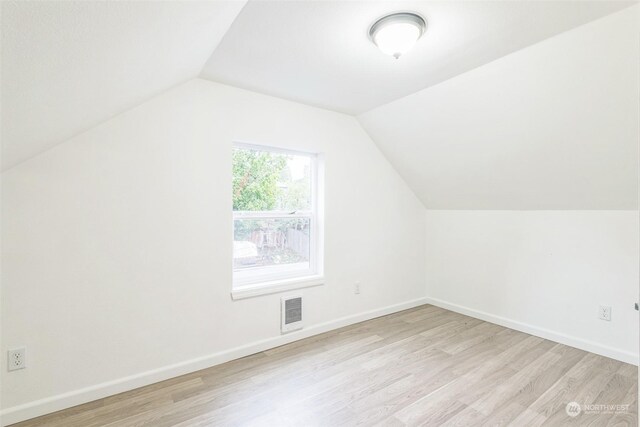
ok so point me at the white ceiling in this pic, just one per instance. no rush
(317, 52)
(69, 65)
(552, 126)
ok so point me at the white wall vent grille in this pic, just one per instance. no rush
(291, 313)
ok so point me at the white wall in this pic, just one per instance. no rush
(544, 272)
(117, 249)
(547, 133)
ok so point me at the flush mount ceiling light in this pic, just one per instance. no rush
(395, 34)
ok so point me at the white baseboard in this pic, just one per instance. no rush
(558, 337)
(76, 397)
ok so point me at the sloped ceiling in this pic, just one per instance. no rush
(552, 126)
(69, 65)
(318, 52)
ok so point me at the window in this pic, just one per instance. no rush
(275, 217)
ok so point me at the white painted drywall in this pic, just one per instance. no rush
(117, 243)
(318, 52)
(545, 272)
(551, 126)
(70, 65)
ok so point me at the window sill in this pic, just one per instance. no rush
(265, 288)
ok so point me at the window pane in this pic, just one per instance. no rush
(267, 181)
(271, 242)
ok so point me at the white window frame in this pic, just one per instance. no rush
(255, 281)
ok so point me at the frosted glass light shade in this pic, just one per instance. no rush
(397, 33)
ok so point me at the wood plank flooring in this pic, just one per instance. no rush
(424, 366)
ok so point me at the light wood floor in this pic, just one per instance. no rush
(424, 366)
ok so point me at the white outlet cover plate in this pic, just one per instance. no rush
(605, 313)
(16, 359)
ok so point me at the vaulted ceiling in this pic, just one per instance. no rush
(318, 52)
(552, 126)
(68, 66)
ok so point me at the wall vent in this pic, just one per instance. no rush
(291, 313)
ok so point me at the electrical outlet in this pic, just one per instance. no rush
(356, 288)
(604, 313)
(17, 359)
